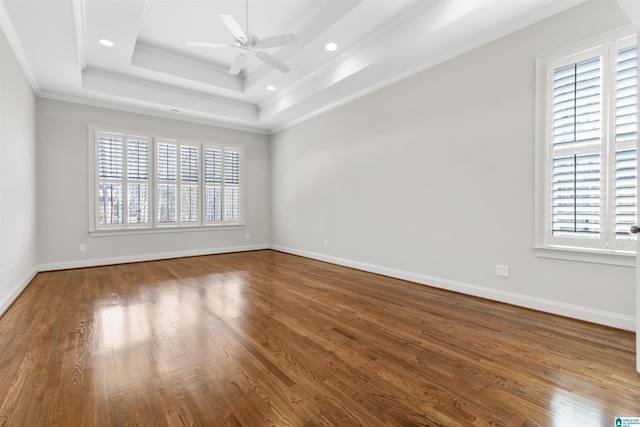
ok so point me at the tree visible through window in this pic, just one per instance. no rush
(192, 183)
(591, 132)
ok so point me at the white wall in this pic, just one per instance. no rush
(432, 179)
(63, 187)
(17, 177)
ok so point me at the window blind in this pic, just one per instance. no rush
(586, 154)
(626, 136)
(189, 163)
(231, 190)
(625, 193)
(231, 204)
(627, 95)
(189, 193)
(222, 184)
(213, 166)
(167, 158)
(110, 156)
(167, 162)
(138, 159)
(189, 203)
(577, 104)
(231, 167)
(213, 184)
(110, 169)
(576, 195)
(577, 127)
(138, 180)
(146, 182)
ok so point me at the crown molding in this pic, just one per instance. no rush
(99, 103)
(15, 44)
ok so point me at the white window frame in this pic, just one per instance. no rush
(606, 250)
(223, 185)
(154, 226)
(179, 184)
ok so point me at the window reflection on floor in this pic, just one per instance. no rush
(122, 326)
(168, 308)
(569, 409)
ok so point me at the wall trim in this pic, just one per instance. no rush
(95, 262)
(549, 306)
(17, 290)
(147, 111)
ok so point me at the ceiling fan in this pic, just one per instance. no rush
(249, 43)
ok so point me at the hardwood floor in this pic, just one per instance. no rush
(269, 339)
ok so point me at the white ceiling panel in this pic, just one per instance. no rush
(151, 68)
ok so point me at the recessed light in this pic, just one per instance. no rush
(331, 46)
(271, 88)
(106, 42)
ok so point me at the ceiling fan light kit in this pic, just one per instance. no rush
(250, 43)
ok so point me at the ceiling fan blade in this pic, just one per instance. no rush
(209, 44)
(238, 63)
(276, 41)
(275, 63)
(234, 27)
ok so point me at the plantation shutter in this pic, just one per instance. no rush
(232, 186)
(167, 159)
(189, 189)
(138, 180)
(222, 185)
(576, 195)
(586, 162)
(213, 184)
(110, 179)
(626, 136)
(142, 182)
(576, 143)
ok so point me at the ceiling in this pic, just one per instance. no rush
(151, 69)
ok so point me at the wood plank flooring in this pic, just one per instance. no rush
(269, 339)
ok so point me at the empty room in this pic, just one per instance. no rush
(319, 213)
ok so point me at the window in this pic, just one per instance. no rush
(587, 131)
(178, 183)
(148, 183)
(222, 184)
(123, 179)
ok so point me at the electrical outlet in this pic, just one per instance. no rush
(83, 247)
(247, 236)
(502, 270)
(326, 243)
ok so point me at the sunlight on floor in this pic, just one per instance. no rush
(168, 309)
(569, 409)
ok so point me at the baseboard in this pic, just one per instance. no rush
(95, 262)
(17, 290)
(549, 306)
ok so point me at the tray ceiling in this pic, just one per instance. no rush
(151, 68)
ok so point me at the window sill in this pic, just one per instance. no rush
(161, 230)
(567, 253)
